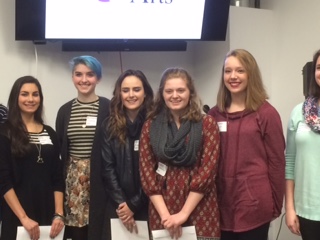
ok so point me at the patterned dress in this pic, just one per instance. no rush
(179, 181)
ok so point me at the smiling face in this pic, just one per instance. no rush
(29, 98)
(176, 95)
(132, 94)
(85, 80)
(235, 76)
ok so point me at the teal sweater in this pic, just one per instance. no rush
(303, 165)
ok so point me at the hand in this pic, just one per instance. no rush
(292, 222)
(175, 232)
(56, 227)
(173, 224)
(124, 213)
(131, 225)
(32, 227)
(175, 220)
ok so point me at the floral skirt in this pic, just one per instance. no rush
(77, 192)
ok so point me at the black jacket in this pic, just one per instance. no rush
(121, 175)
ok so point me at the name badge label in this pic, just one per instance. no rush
(222, 126)
(136, 145)
(162, 169)
(91, 121)
(44, 140)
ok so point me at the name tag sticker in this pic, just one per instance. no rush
(222, 126)
(162, 169)
(45, 140)
(136, 145)
(303, 127)
(91, 121)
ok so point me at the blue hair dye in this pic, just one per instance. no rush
(90, 62)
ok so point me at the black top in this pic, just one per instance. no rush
(34, 183)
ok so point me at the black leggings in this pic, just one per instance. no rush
(75, 233)
(310, 230)
(259, 233)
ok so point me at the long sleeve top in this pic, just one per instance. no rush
(251, 169)
(303, 164)
(34, 182)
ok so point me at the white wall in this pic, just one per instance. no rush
(282, 39)
(208, 59)
(297, 39)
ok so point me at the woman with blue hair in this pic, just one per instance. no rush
(77, 125)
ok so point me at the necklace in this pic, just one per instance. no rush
(40, 159)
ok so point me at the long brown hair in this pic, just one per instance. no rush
(255, 92)
(17, 130)
(314, 88)
(193, 111)
(117, 119)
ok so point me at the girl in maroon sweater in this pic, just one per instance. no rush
(251, 168)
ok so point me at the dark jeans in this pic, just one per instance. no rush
(310, 230)
(76, 233)
(259, 233)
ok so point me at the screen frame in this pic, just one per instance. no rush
(30, 22)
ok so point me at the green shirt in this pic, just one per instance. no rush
(303, 165)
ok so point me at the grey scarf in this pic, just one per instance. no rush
(170, 143)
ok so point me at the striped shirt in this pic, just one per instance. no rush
(81, 128)
(3, 113)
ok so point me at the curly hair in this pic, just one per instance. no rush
(117, 120)
(193, 110)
